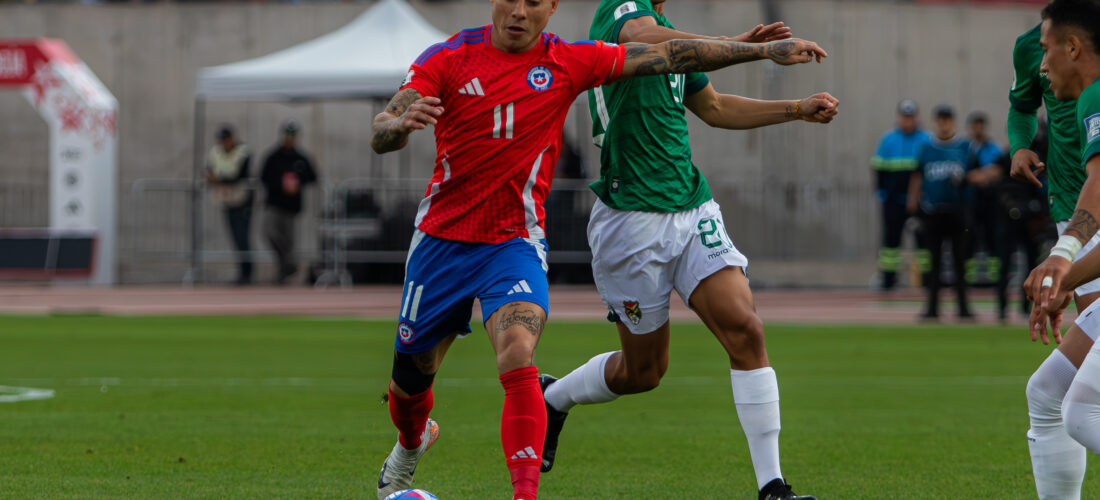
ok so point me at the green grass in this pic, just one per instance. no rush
(289, 408)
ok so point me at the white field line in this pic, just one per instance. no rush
(9, 394)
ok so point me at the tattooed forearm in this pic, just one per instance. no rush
(683, 56)
(788, 112)
(1082, 226)
(527, 317)
(386, 134)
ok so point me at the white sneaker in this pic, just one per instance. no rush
(399, 467)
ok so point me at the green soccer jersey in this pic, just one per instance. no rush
(1088, 122)
(639, 124)
(1029, 91)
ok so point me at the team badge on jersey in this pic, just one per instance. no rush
(632, 311)
(540, 78)
(405, 332)
(1092, 126)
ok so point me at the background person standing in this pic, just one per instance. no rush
(894, 163)
(938, 190)
(227, 174)
(286, 171)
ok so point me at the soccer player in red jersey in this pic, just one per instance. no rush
(498, 96)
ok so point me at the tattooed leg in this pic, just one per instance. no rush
(514, 330)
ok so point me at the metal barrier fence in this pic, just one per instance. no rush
(24, 204)
(350, 229)
(162, 227)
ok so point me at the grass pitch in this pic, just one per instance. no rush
(290, 408)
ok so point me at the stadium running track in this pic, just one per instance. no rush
(573, 302)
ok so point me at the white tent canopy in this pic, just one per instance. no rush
(366, 58)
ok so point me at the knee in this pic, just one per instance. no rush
(1082, 421)
(516, 351)
(1044, 406)
(643, 377)
(744, 333)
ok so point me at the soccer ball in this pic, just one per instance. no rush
(412, 495)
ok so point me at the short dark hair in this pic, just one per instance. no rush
(1083, 14)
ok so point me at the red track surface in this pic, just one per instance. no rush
(566, 303)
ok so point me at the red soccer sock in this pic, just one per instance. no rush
(523, 429)
(410, 416)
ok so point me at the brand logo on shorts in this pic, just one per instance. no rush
(405, 332)
(540, 78)
(632, 311)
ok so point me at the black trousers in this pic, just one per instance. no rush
(894, 216)
(239, 220)
(939, 228)
(1012, 234)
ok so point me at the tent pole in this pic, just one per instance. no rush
(195, 273)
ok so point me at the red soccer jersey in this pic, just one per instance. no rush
(498, 139)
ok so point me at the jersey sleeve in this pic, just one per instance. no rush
(1027, 93)
(613, 14)
(425, 74)
(988, 155)
(695, 82)
(1088, 115)
(593, 63)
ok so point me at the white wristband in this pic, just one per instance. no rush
(1067, 247)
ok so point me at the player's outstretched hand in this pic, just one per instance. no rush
(1042, 288)
(794, 51)
(762, 33)
(818, 108)
(420, 114)
(1026, 166)
(1040, 316)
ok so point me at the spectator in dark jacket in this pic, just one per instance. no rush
(286, 171)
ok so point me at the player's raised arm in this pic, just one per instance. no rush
(683, 56)
(406, 112)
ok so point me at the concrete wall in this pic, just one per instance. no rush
(795, 192)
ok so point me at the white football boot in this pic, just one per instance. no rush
(399, 467)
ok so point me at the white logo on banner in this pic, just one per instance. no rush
(13, 64)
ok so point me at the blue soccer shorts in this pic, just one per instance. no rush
(443, 277)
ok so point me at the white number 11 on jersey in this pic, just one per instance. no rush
(504, 123)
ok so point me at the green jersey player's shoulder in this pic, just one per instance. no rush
(1027, 44)
(1088, 115)
(1027, 91)
(611, 14)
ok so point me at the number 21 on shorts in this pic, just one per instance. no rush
(710, 233)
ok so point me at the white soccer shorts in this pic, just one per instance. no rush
(1089, 320)
(639, 257)
(1092, 286)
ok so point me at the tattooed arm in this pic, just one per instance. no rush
(406, 112)
(685, 56)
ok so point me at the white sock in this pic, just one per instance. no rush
(756, 396)
(1057, 461)
(585, 385)
(1081, 409)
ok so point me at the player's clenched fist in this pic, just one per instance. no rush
(794, 51)
(818, 108)
(420, 114)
